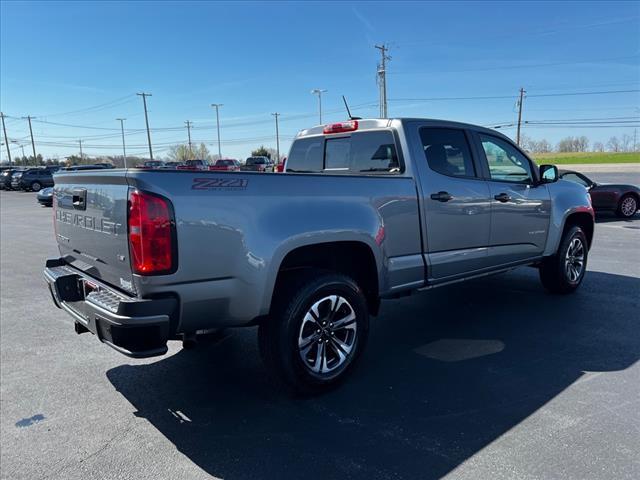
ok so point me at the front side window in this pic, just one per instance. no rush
(506, 163)
(447, 151)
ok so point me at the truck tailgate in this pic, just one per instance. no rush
(91, 224)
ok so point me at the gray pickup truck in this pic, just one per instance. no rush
(366, 210)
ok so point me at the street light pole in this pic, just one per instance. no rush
(319, 92)
(217, 107)
(124, 150)
(276, 115)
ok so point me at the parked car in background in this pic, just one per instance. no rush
(226, 165)
(194, 165)
(32, 179)
(6, 177)
(619, 198)
(258, 164)
(281, 166)
(173, 165)
(45, 197)
(153, 164)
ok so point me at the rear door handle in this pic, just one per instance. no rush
(441, 196)
(503, 197)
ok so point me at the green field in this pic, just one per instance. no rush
(587, 157)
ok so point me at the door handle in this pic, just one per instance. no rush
(441, 196)
(502, 197)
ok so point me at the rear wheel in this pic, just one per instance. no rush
(35, 186)
(316, 332)
(627, 207)
(564, 271)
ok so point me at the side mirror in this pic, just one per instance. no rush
(548, 174)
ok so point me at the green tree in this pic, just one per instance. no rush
(262, 151)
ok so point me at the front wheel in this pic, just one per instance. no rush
(317, 331)
(627, 207)
(564, 271)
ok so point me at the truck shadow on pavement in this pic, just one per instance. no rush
(445, 373)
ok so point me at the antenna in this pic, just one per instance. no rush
(346, 105)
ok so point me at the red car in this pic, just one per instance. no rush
(226, 165)
(280, 166)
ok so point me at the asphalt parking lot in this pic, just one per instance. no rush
(489, 379)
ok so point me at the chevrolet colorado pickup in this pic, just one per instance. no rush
(365, 210)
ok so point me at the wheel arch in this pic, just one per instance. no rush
(354, 258)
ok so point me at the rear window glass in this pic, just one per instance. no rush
(337, 154)
(362, 152)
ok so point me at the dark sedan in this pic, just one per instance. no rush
(45, 197)
(6, 176)
(621, 199)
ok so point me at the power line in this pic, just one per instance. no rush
(495, 97)
(103, 106)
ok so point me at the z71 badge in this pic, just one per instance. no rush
(219, 183)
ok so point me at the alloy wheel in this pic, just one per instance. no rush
(327, 335)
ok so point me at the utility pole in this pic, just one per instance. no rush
(635, 140)
(217, 107)
(382, 78)
(319, 92)
(522, 92)
(276, 115)
(81, 156)
(188, 124)
(146, 119)
(124, 150)
(33, 144)
(6, 141)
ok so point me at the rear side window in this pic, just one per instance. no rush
(447, 151)
(306, 155)
(374, 152)
(362, 152)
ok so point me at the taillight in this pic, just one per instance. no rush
(151, 234)
(349, 126)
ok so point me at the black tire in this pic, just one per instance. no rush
(628, 206)
(36, 186)
(556, 276)
(280, 334)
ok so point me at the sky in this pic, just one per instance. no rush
(77, 66)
